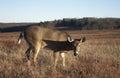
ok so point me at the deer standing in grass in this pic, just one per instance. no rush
(42, 37)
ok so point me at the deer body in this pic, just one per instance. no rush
(41, 37)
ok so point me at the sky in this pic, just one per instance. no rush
(48, 10)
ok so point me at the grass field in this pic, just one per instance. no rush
(99, 57)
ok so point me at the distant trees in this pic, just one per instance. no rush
(68, 23)
(86, 23)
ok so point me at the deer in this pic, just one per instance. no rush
(38, 37)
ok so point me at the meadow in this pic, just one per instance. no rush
(99, 57)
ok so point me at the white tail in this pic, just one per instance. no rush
(19, 41)
(20, 38)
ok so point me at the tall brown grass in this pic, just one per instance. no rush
(97, 59)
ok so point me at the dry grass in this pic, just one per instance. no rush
(99, 58)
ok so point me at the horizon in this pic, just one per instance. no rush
(13, 11)
(62, 19)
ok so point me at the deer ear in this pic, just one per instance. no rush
(70, 39)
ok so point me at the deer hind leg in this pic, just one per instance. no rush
(27, 53)
(35, 52)
(63, 58)
(55, 55)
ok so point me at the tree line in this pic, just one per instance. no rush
(85, 23)
(68, 24)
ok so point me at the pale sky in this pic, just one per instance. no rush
(47, 10)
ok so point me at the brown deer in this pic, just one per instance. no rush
(42, 37)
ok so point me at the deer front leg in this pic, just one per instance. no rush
(55, 55)
(63, 58)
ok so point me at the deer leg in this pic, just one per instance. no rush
(63, 58)
(35, 52)
(55, 55)
(27, 53)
